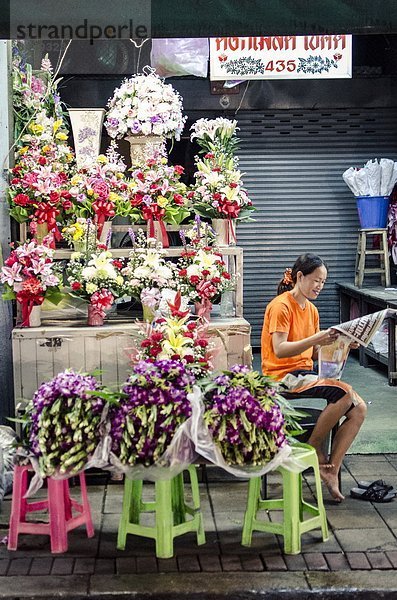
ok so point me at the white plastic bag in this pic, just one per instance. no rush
(386, 182)
(373, 171)
(172, 57)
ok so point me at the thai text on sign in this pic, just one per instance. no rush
(281, 57)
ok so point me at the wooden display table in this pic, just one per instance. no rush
(364, 301)
(39, 353)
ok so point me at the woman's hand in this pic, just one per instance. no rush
(326, 337)
(285, 349)
(354, 345)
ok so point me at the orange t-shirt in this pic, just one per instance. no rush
(284, 315)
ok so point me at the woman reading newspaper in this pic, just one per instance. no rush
(291, 338)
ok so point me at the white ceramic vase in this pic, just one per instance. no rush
(87, 131)
(142, 147)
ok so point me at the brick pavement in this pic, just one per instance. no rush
(362, 535)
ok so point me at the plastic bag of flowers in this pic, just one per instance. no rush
(64, 426)
(148, 425)
(238, 423)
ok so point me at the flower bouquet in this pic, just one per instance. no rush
(152, 408)
(202, 275)
(245, 423)
(64, 423)
(101, 190)
(29, 276)
(147, 272)
(158, 195)
(145, 105)
(98, 280)
(176, 336)
(38, 188)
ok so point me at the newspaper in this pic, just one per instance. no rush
(332, 358)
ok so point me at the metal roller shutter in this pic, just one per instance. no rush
(293, 163)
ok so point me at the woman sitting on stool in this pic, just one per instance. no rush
(290, 341)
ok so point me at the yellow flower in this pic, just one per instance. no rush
(36, 128)
(164, 161)
(119, 280)
(102, 159)
(69, 157)
(91, 288)
(61, 136)
(75, 179)
(120, 175)
(90, 192)
(113, 197)
(57, 124)
(162, 202)
(23, 150)
(45, 149)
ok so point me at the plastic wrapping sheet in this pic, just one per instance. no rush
(180, 56)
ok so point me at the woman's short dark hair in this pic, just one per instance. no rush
(306, 263)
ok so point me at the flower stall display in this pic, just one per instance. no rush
(100, 190)
(218, 192)
(147, 272)
(146, 425)
(157, 196)
(29, 276)
(98, 280)
(145, 105)
(176, 335)
(64, 423)
(244, 424)
(202, 276)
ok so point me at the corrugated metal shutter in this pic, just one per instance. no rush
(293, 163)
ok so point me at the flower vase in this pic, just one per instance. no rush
(143, 147)
(203, 310)
(105, 236)
(87, 130)
(148, 313)
(95, 316)
(33, 319)
(227, 309)
(225, 230)
(80, 246)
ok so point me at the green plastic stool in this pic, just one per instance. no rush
(172, 514)
(292, 504)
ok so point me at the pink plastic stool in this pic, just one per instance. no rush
(59, 505)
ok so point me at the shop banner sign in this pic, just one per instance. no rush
(281, 57)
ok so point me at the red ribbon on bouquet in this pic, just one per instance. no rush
(32, 294)
(47, 213)
(102, 209)
(150, 213)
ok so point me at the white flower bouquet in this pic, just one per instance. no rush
(145, 105)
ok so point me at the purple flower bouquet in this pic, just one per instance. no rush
(243, 426)
(152, 408)
(64, 423)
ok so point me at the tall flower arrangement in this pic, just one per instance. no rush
(218, 191)
(158, 194)
(152, 406)
(29, 276)
(64, 423)
(100, 191)
(145, 105)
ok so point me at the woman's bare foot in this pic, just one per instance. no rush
(330, 478)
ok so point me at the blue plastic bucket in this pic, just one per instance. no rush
(372, 211)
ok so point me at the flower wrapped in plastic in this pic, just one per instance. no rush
(81, 234)
(216, 135)
(65, 419)
(145, 105)
(147, 425)
(29, 276)
(244, 424)
(147, 272)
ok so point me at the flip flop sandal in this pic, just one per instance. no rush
(373, 494)
(379, 483)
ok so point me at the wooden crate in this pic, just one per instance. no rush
(40, 353)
